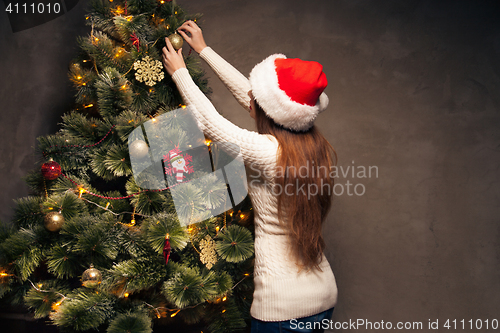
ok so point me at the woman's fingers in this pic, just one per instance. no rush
(185, 36)
(190, 23)
(164, 49)
(190, 26)
(193, 35)
(172, 60)
(186, 24)
(189, 29)
(169, 45)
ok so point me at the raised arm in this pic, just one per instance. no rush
(256, 149)
(235, 82)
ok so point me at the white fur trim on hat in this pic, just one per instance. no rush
(276, 103)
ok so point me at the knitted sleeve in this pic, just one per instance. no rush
(256, 149)
(235, 82)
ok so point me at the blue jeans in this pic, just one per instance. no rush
(312, 324)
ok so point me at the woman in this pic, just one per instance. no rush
(289, 184)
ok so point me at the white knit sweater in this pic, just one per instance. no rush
(281, 292)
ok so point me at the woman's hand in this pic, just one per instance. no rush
(196, 40)
(172, 60)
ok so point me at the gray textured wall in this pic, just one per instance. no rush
(414, 90)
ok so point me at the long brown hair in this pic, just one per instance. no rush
(304, 211)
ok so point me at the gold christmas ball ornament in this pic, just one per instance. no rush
(139, 149)
(176, 41)
(54, 221)
(91, 278)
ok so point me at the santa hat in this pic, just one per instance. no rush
(290, 91)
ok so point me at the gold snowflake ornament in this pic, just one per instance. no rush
(208, 256)
(148, 71)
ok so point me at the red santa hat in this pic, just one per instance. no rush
(290, 91)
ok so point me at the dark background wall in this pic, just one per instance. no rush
(414, 90)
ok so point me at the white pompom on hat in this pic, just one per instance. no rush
(290, 91)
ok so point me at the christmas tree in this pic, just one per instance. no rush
(122, 234)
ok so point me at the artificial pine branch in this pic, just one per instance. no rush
(96, 237)
(77, 125)
(126, 122)
(145, 99)
(235, 244)
(227, 318)
(84, 310)
(132, 322)
(147, 202)
(83, 80)
(138, 25)
(157, 227)
(42, 301)
(186, 288)
(67, 203)
(136, 274)
(63, 263)
(99, 15)
(117, 160)
(27, 212)
(97, 163)
(23, 250)
(113, 93)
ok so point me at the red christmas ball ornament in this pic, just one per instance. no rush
(51, 170)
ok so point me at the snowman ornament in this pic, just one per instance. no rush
(179, 165)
